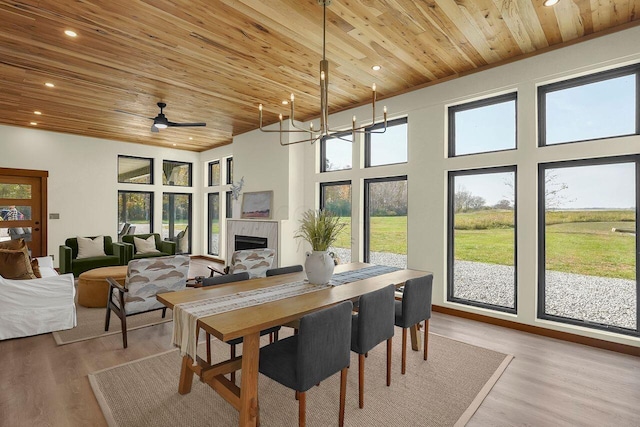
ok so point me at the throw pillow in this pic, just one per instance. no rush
(15, 265)
(36, 268)
(13, 245)
(89, 248)
(145, 246)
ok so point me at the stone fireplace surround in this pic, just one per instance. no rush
(255, 228)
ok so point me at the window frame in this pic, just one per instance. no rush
(323, 186)
(367, 141)
(151, 201)
(541, 282)
(451, 175)
(366, 228)
(323, 150)
(543, 90)
(150, 159)
(451, 114)
(181, 163)
(209, 195)
(229, 170)
(190, 224)
(210, 181)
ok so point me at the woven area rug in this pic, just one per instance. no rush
(444, 391)
(91, 324)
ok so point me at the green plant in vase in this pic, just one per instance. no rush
(320, 228)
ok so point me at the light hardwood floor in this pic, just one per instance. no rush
(549, 383)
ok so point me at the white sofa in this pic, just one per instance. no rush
(37, 306)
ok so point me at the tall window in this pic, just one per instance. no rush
(229, 170)
(176, 220)
(588, 243)
(176, 173)
(136, 208)
(214, 173)
(336, 197)
(336, 152)
(482, 238)
(229, 205)
(389, 147)
(483, 126)
(214, 223)
(386, 209)
(135, 170)
(598, 106)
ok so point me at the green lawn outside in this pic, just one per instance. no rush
(578, 242)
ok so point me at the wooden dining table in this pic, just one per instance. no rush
(248, 322)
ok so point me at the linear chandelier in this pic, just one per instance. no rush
(312, 135)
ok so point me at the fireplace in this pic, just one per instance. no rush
(265, 231)
(249, 242)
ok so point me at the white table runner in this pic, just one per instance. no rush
(186, 315)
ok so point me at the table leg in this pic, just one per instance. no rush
(249, 381)
(415, 338)
(186, 375)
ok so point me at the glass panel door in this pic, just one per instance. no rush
(176, 218)
(21, 211)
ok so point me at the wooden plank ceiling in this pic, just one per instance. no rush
(215, 61)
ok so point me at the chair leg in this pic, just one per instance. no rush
(404, 350)
(343, 393)
(361, 380)
(208, 348)
(164, 312)
(233, 354)
(276, 335)
(302, 409)
(107, 319)
(389, 346)
(426, 338)
(123, 321)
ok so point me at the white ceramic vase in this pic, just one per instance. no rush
(319, 267)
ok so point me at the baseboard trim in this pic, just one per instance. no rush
(550, 333)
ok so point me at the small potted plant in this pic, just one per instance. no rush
(320, 228)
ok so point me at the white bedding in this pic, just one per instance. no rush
(37, 306)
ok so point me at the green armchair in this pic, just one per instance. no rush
(69, 262)
(129, 252)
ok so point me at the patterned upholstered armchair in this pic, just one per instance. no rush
(256, 262)
(145, 278)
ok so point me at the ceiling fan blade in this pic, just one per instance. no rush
(173, 124)
(154, 129)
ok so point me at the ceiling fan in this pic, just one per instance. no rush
(161, 122)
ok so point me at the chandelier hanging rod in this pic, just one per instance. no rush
(325, 130)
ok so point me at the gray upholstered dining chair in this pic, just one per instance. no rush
(413, 309)
(373, 324)
(230, 278)
(284, 270)
(320, 350)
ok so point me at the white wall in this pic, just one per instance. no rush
(428, 165)
(83, 180)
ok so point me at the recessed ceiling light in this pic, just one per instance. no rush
(550, 3)
(285, 102)
(190, 138)
(33, 124)
(48, 84)
(37, 113)
(71, 33)
(376, 67)
(175, 145)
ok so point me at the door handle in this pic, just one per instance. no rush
(36, 229)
